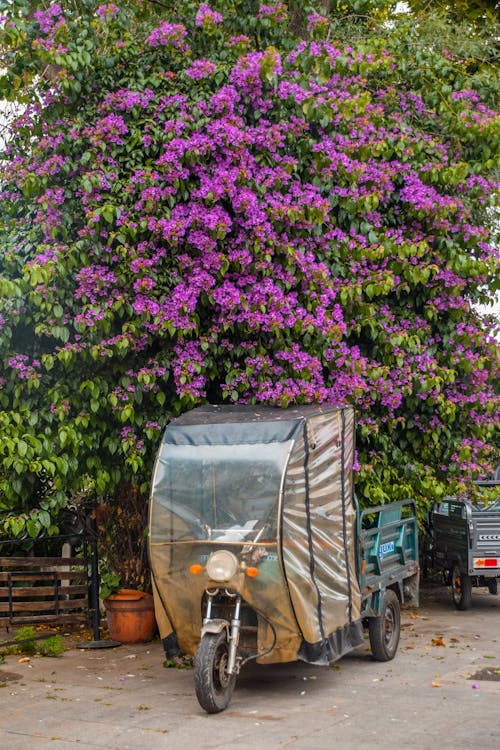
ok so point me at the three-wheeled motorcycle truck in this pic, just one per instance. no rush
(464, 543)
(259, 551)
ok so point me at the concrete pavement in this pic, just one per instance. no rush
(442, 689)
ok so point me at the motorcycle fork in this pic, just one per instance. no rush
(234, 637)
(232, 628)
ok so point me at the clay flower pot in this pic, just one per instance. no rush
(130, 616)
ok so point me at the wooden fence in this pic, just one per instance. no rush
(43, 590)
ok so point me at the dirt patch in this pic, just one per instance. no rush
(490, 674)
(9, 676)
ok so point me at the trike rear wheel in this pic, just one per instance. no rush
(493, 586)
(385, 629)
(214, 686)
(461, 589)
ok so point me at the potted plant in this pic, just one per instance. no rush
(130, 616)
(124, 573)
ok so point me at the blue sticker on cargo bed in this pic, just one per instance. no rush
(385, 548)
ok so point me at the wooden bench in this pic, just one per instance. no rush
(43, 589)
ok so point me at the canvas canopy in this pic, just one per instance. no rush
(277, 480)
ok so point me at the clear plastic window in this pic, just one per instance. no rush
(219, 492)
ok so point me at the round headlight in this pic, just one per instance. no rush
(222, 565)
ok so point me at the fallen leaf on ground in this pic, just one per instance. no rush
(24, 660)
(439, 641)
(436, 684)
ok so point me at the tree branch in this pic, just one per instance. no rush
(157, 2)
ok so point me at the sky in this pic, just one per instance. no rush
(492, 309)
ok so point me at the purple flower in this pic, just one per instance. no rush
(165, 34)
(316, 21)
(201, 69)
(109, 130)
(48, 18)
(207, 17)
(107, 11)
(126, 100)
(240, 41)
(277, 12)
(248, 73)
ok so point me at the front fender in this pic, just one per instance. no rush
(215, 626)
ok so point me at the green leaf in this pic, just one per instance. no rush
(44, 519)
(22, 448)
(33, 528)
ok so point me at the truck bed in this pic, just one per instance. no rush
(388, 554)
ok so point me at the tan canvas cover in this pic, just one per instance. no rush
(307, 586)
(319, 520)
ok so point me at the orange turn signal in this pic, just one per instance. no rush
(196, 569)
(252, 572)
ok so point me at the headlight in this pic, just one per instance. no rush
(222, 565)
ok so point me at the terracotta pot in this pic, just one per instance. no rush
(130, 616)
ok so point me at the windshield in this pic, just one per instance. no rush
(224, 493)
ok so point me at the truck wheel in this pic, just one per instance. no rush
(493, 586)
(214, 686)
(385, 629)
(461, 589)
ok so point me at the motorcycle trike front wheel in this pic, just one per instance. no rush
(214, 686)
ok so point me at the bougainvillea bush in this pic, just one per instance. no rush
(223, 202)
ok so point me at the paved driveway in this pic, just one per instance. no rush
(441, 691)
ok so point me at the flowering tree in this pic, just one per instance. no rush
(224, 203)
